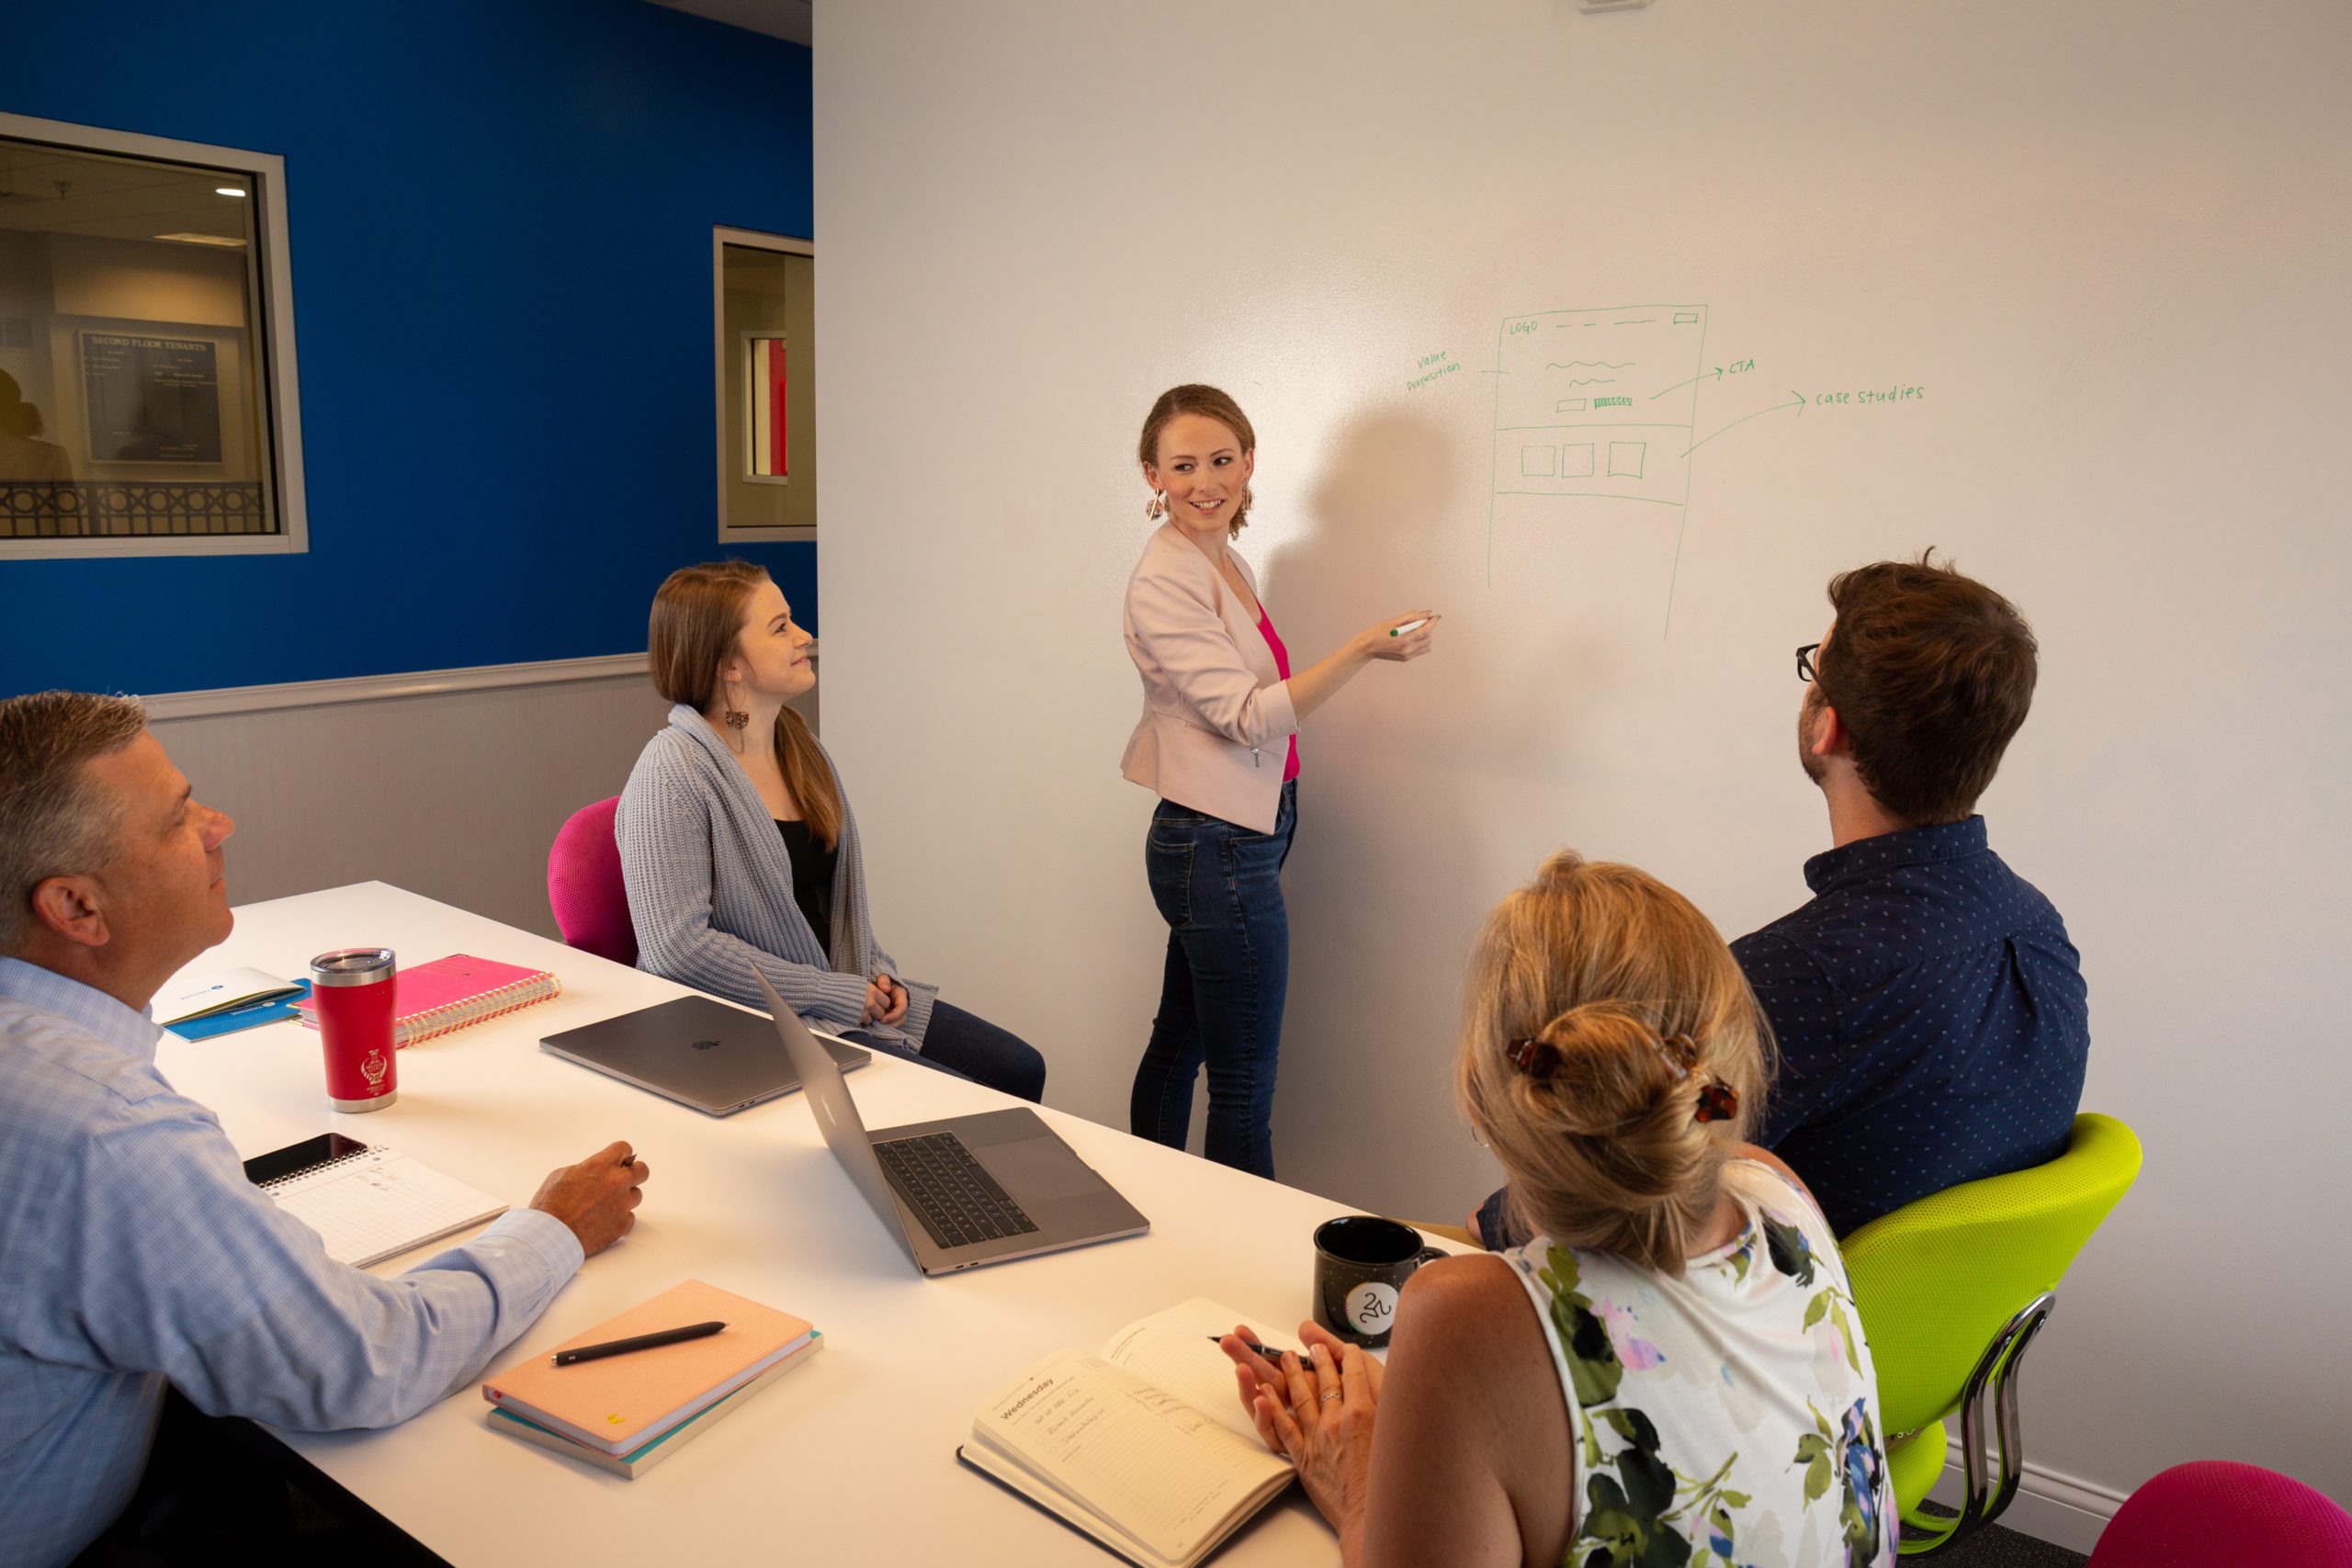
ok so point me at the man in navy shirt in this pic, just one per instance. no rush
(1931, 1011)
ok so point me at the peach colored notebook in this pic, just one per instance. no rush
(622, 1403)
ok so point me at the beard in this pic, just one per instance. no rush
(1807, 712)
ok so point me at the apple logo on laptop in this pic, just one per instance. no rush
(703, 1045)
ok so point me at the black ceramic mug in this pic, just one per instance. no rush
(1361, 1263)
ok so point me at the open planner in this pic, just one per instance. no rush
(1145, 1448)
(369, 1202)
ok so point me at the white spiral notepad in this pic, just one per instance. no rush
(378, 1202)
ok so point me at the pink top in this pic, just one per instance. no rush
(1282, 664)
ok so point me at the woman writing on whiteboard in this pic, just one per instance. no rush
(738, 847)
(1217, 743)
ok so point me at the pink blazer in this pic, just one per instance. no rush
(1216, 713)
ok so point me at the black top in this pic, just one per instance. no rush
(812, 880)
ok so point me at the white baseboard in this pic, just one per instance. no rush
(2060, 1510)
(374, 688)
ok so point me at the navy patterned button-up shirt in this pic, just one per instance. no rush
(1932, 1022)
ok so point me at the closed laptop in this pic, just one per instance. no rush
(695, 1050)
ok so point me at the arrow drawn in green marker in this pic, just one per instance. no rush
(1759, 414)
(1717, 373)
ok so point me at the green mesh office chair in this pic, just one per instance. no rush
(1953, 1288)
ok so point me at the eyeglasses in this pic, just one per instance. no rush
(1805, 669)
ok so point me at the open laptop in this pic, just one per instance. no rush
(965, 1191)
(695, 1051)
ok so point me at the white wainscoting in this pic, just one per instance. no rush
(452, 782)
(2060, 1510)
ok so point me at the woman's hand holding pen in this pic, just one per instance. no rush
(1318, 1410)
(1405, 638)
(1396, 640)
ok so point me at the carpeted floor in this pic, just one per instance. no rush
(1994, 1547)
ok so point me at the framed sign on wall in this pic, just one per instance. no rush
(151, 399)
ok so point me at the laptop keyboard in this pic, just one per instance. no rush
(954, 1196)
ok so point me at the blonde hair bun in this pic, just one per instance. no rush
(1602, 1007)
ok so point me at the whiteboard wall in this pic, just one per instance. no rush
(2094, 250)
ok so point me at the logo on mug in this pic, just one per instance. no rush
(373, 1068)
(1370, 1306)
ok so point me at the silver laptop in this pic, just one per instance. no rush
(986, 1188)
(695, 1051)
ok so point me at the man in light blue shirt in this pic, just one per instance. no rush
(133, 1251)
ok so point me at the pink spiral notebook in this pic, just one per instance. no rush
(450, 993)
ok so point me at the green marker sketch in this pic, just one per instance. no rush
(1594, 424)
(1683, 528)
(1717, 373)
(1541, 402)
(1592, 495)
(1498, 373)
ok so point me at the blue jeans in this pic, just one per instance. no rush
(969, 1046)
(1219, 888)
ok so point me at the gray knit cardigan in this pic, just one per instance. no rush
(710, 888)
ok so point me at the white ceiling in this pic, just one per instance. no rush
(119, 198)
(786, 19)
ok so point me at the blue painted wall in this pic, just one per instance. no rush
(500, 214)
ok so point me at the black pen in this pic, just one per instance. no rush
(1266, 1351)
(641, 1342)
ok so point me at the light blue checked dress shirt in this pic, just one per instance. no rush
(133, 1251)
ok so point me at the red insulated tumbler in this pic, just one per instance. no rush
(354, 989)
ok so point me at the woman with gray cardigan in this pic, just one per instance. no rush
(740, 851)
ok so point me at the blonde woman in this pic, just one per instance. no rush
(1672, 1371)
(1217, 743)
(740, 851)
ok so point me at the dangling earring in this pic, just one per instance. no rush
(737, 720)
(1156, 507)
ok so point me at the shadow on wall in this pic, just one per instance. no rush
(1398, 514)
(1378, 897)
(1426, 790)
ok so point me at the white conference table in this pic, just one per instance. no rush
(851, 1458)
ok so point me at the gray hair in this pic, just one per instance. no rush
(52, 821)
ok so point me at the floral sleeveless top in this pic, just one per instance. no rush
(1726, 1418)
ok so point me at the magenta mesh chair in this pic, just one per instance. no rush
(2215, 1514)
(584, 886)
